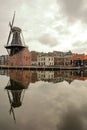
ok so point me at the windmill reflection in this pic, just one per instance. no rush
(18, 83)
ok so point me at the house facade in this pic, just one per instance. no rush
(45, 60)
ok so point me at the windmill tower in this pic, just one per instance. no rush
(19, 54)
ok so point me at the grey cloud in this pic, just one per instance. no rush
(80, 50)
(47, 39)
(80, 44)
(80, 47)
(74, 9)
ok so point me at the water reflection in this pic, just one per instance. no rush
(39, 100)
(20, 80)
(27, 77)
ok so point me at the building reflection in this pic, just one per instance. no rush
(79, 75)
(45, 75)
(26, 77)
(60, 76)
(54, 76)
(3, 72)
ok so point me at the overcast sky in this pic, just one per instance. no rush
(47, 25)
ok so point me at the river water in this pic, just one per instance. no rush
(43, 100)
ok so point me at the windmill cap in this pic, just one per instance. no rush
(16, 29)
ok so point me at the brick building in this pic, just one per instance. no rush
(34, 55)
(22, 58)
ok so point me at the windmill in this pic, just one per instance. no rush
(17, 42)
(18, 52)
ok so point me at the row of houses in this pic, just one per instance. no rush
(55, 58)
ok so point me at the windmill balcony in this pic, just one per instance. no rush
(15, 45)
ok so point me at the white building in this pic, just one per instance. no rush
(45, 60)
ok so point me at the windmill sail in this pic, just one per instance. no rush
(11, 25)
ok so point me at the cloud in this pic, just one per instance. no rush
(74, 9)
(80, 44)
(80, 47)
(80, 50)
(49, 40)
(46, 21)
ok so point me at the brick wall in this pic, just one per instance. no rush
(23, 58)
